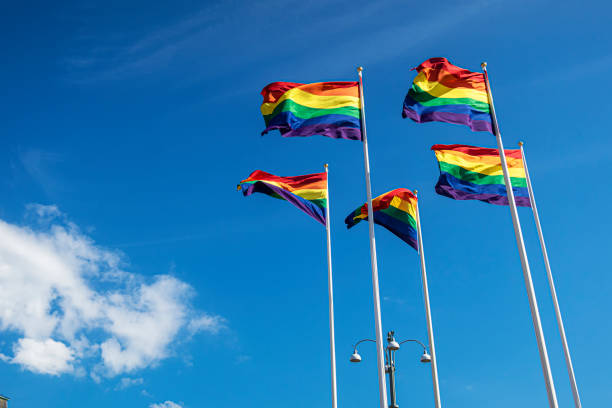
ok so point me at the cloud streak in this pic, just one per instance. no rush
(127, 382)
(339, 32)
(166, 404)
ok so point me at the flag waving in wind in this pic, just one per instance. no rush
(308, 192)
(475, 173)
(442, 92)
(395, 210)
(330, 109)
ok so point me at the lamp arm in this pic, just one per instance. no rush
(361, 341)
(415, 341)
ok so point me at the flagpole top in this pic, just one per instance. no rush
(325, 165)
(416, 192)
(521, 144)
(359, 69)
(483, 65)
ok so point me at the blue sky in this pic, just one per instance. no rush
(132, 273)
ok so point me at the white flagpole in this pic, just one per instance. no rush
(551, 283)
(533, 304)
(330, 292)
(432, 347)
(382, 386)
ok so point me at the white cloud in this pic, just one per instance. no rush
(206, 323)
(129, 382)
(45, 357)
(166, 404)
(44, 211)
(76, 310)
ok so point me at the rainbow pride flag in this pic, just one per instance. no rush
(308, 192)
(330, 109)
(442, 92)
(395, 210)
(475, 173)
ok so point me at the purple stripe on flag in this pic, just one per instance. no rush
(497, 199)
(323, 129)
(448, 117)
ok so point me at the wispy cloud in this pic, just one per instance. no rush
(397, 301)
(308, 34)
(39, 165)
(166, 404)
(243, 358)
(594, 66)
(43, 212)
(206, 323)
(127, 382)
(150, 52)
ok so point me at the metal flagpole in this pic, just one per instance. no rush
(432, 347)
(551, 283)
(382, 386)
(330, 292)
(533, 304)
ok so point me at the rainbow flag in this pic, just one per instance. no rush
(330, 109)
(475, 173)
(442, 92)
(308, 192)
(395, 210)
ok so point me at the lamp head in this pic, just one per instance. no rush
(425, 358)
(355, 357)
(393, 345)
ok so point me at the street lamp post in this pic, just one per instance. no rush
(392, 347)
